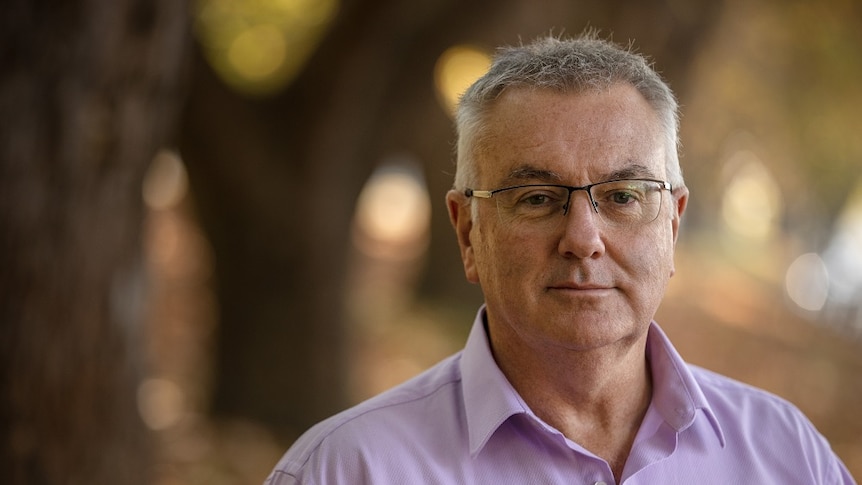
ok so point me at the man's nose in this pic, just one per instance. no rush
(581, 235)
(573, 191)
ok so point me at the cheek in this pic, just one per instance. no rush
(483, 254)
(653, 264)
(645, 258)
(502, 261)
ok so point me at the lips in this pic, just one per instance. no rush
(578, 287)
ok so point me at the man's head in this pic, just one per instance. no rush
(571, 65)
(575, 267)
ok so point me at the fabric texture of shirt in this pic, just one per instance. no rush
(461, 422)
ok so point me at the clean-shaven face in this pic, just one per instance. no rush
(580, 284)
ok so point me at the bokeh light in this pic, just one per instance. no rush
(843, 258)
(258, 52)
(166, 182)
(258, 46)
(456, 69)
(807, 282)
(160, 403)
(752, 202)
(393, 213)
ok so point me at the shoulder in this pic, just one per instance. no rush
(738, 404)
(379, 427)
(727, 393)
(748, 414)
(772, 429)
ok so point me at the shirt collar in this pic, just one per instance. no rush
(489, 398)
(676, 394)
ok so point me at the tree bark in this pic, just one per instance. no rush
(87, 97)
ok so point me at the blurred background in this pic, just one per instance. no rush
(223, 220)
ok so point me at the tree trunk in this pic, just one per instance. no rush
(87, 95)
(275, 182)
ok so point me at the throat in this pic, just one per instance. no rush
(604, 421)
(596, 397)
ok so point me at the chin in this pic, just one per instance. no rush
(586, 333)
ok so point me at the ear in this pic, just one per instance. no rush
(461, 217)
(680, 201)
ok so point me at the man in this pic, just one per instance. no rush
(566, 206)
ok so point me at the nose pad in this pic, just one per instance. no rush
(593, 204)
(580, 235)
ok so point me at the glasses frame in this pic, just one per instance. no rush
(487, 194)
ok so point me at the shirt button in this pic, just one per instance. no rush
(600, 483)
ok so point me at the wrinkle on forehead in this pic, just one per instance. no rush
(611, 136)
(527, 172)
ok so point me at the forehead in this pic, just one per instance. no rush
(579, 137)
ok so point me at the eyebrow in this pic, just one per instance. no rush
(528, 172)
(635, 170)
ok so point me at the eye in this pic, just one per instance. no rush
(532, 201)
(623, 197)
(622, 193)
(536, 199)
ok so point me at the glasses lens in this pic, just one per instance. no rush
(628, 202)
(531, 204)
(620, 203)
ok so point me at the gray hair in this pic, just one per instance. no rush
(565, 65)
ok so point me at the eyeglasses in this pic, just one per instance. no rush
(619, 203)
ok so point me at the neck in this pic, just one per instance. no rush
(596, 398)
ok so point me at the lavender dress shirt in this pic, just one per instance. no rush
(461, 422)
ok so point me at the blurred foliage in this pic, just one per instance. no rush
(787, 76)
(769, 94)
